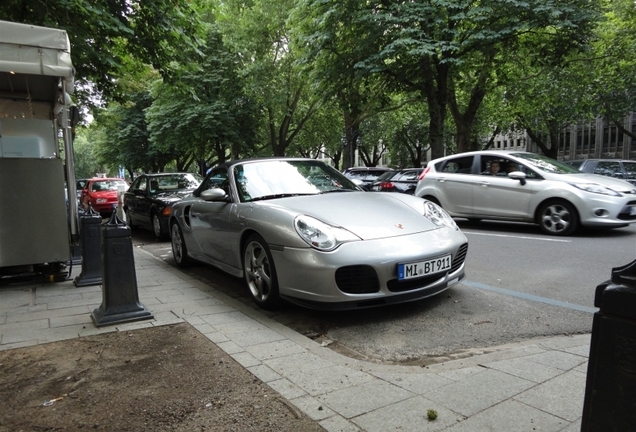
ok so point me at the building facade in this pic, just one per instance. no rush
(596, 139)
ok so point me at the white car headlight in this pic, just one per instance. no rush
(438, 215)
(321, 235)
(595, 188)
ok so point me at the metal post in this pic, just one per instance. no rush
(610, 391)
(91, 244)
(120, 296)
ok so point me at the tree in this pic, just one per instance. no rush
(206, 116)
(85, 159)
(258, 30)
(547, 102)
(103, 33)
(334, 40)
(614, 63)
(449, 51)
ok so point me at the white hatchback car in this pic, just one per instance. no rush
(527, 188)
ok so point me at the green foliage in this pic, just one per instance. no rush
(206, 116)
(259, 31)
(613, 64)
(189, 83)
(104, 33)
(85, 159)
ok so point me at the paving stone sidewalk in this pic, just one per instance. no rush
(537, 385)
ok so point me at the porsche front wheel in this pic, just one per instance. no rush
(260, 273)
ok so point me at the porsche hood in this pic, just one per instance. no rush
(369, 215)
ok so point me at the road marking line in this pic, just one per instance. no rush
(519, 237)
(532, 297)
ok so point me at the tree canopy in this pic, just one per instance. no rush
(188, 84)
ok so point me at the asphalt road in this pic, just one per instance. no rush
(520, 285)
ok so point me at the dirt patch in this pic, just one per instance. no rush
(168, 378)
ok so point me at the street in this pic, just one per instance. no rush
(520, 285)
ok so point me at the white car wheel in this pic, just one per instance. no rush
(558, 218)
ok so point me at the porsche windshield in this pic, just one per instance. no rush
(279, 179)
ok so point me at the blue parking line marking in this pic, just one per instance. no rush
(532, 297)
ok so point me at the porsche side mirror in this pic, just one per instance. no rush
(214, 194)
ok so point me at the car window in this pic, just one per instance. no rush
(575, 164)
(544, 163)
(609, 168)
(460, 165)
(630, 169)
(108, 185)
(140, 183)
(387, 175)
(408, 175)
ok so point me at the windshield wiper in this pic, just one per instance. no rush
(282, 195)
(338, 190)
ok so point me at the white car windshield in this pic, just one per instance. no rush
(546, 164)
(277, 179)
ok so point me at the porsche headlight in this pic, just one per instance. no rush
(438, 216)
(320, 235)
(595, 188)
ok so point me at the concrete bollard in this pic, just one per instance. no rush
(91, 245)
(610, 390)
(120, 295)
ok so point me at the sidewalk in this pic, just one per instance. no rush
(533, 386)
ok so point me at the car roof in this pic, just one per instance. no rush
(598, 160)
(96, 179)
(233, 162)
(369, 169)
(500, 153)
(164, 174)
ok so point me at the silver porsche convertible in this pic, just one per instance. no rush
(299, 230)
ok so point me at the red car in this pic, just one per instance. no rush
(101, 193)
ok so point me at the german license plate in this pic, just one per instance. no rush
(632, 211)
(423, 268)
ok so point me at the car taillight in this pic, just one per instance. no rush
(421, 176)
(386, 185)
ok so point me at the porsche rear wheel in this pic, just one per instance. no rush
(260, 273)
(179, 249)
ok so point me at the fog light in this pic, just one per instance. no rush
(601, 212)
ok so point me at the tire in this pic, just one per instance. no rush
(558, 218)
(129, 220)
(156, 227)
(179, 248)
(260, 273)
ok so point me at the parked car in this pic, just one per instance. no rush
(531, 188)
(404, 181)
(101, 194)
(291, 227)
(617, 168)
(365, 176)
(148, 202)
